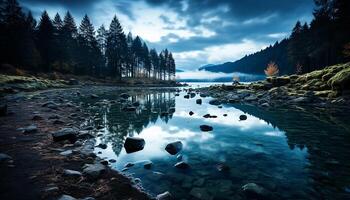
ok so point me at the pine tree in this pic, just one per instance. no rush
(101, 39)
(45, 41)
(155, 63)
(146, 60)
(70, 44)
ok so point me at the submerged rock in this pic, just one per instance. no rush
(199, 101)
(187, 96)
(222, 167)
(102, 146)
(200, 193)
(242, 117)
(182, 165)
(37, 117)
(64, 134)
(205, 128)
(171, 110)
(148, 165)
(94, 96)
(165, 196)
(124, 95)
(191, 113)
(133, 144)
(66, 197)
(72, 173)
(174, 147)
(29, 129)
(129, 164)
(252, 190)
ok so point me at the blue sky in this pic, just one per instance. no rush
(198, 32)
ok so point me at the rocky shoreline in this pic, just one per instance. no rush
(47, 147)
(327, 88)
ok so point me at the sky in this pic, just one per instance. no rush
(198, 32)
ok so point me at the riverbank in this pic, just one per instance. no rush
(11, 84)
(329, 87)
(47, 151)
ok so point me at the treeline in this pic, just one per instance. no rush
(323, 42)
(59, 45)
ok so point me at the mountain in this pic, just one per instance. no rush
(179, 70)
(206, 66)
(256, 63)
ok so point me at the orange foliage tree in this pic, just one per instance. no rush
(272, 69)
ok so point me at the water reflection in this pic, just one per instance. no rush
(292, 154)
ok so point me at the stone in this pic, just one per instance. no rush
(88, 198)
(72, 173)
(199, 182)
(225, 115)
(133, 144)
(102, 146)
(64, 134)
(187, 96)
(88, 148)
(164, 196)
(191, 113)
(200, 193)
(66, 197)
(174, 147)
(4, 157)
(148, 165)
(104, 162)
(192, 94)
(54, 117)
(179, 157)
(94, 96)
(243, 117)
(73, 81)
(252, 190)
(199, 101)
(66, 153)
(182, 165)
(124, 96)
(203, 95)
(112, 160)
(84, 135)
(266, 105)
(136, 104)
(30, 129)
(221, 167)
(129, 108)
(214, 102)
(94, 171)
(205, 128)
(3, 109)
(129, 164)
(37, 117)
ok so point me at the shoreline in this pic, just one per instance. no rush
(48, 169)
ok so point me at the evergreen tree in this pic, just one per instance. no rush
(101, 39)
(69, 42)
(146, 60)
(155, 63)
(45, 41)
(137, 56)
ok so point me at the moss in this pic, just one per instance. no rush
(341, 80)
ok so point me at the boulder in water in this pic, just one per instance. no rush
(182, 165)
(214, 102)
(242, 117)
(205, 128)
(199, 101)
(133, 144)
(174, 147)
(64, 134)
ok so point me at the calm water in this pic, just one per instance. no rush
(293, 154)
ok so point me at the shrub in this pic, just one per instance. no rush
(272, 69)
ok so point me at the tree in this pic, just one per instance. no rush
(116, 46)
(45, 41)
(155, 63)
(101, 39)
(272, 69)
(137, 56)
(146, 60)
(69, 42)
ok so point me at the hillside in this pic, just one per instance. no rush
(256, 63)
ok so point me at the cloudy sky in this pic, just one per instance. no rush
(198, 32)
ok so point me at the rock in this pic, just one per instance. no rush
(51, 105)
(64, 134)
(72, 173)
(37, 117)
(66, 153)
(129, 109)
(203, 95)
(88, 198)
(124, 96)
(191, 113)
(179, 157)
(94, 171)
(136, 104)
(301, 100)
(252, 190)
(89, 128)
(66, 197)
(205, 128)
(222, 167)
(174, 147)
(94, 96)
(199, 101)
(182, 165)
(243, 117)
(206, 116)
(177, 94)
(225, 115)
(88, 148)
(171, 110)
(200, 193)
(54, 117)
(187, 96)
(219, 106)
(3, 109)
(4, 157)
(112, 160)
(102, 146)
(84, 135)
(73, 81)
(29, 129)
(133, 144)
(129, 165)
(148, 165)
(165, 196)
(266, 105)
(341, 80)
(52, 189)
(199, 182)
(104, 162)
(278, 81)
(214, 102)
(58, 122)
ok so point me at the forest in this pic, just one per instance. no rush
(323, 42)
(59, 45)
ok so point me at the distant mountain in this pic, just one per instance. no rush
(206, 66)
(179, 70)
(256, 63)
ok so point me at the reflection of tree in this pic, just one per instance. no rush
(326, 134)
(119, 123)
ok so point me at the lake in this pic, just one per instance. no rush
(292, 154)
